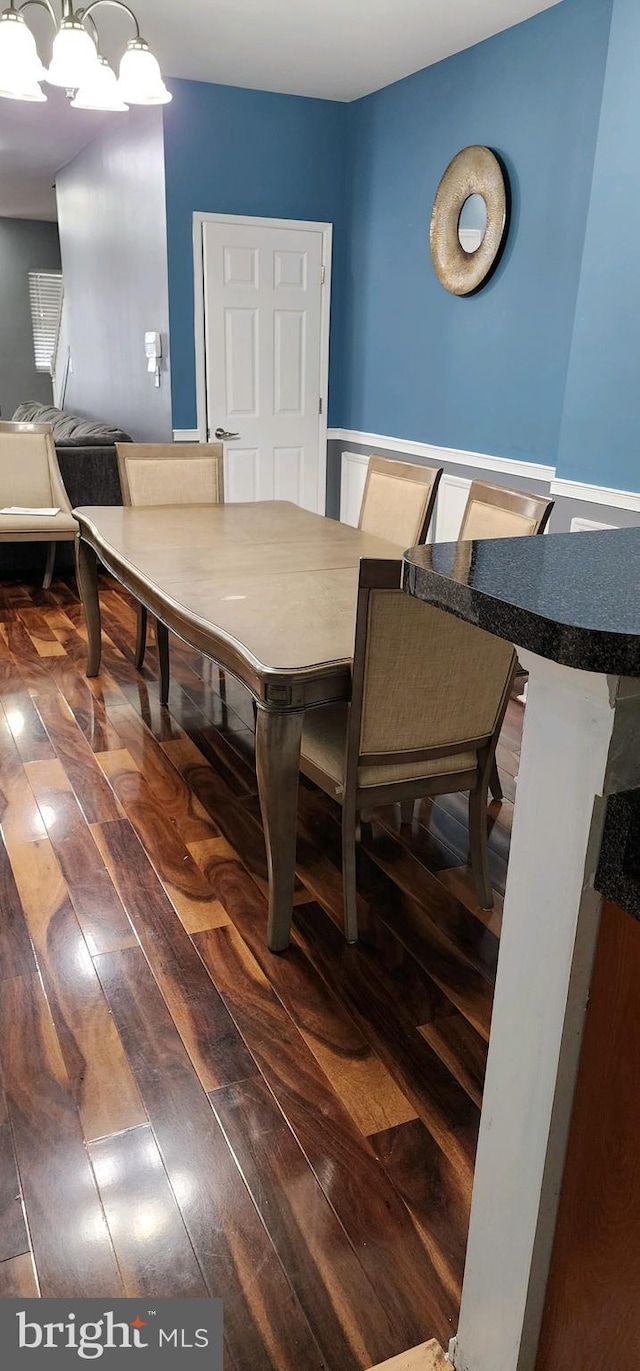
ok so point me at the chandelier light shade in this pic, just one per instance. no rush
(141, 81)
(20, 67)
(75, 57)
(76, 64)
(101, 91)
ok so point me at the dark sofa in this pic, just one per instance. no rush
(86, 453)
(87, 458)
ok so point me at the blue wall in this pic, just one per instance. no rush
(542, 364)
(600, 440)
(234, 151)
(488, 373)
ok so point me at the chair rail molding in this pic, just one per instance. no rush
(508, 466)
(186, 435)
(596, 495)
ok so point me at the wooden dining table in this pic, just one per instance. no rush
(267, 591)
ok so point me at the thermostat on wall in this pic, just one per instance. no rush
(153, 346)
(153, 353)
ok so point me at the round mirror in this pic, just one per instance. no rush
(469, 220)
(472, 224)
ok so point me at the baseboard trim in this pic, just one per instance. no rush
(507, 466)
(596, 495)
(186, 435)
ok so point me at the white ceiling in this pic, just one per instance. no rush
(35, 140)
(337, 49)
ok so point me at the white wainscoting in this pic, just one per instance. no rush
(450, 505)
(186, 435)
(452, 498)
(353, 474)
(453, 489)
(579, 525)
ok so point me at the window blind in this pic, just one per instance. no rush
(45, 295)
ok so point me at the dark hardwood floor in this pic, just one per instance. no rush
(182, 1112)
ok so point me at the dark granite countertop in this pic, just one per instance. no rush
(571, 597)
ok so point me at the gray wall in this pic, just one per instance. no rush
(336, 447)
(25, 245)
(112, 217)
(564, 510)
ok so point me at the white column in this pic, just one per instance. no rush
(576, 748)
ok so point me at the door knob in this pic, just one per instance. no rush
(222, 433)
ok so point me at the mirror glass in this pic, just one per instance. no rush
(472, 224)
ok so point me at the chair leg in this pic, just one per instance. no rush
(349, 818)
(494, 782)
(141, 636)
(49, 565)
(478, 836)
(364, 827)
(406, 812)
(162, 640)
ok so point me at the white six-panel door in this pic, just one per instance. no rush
(264, 357)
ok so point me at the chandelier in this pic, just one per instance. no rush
(76, 63)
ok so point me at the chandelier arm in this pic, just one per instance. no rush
(117, 4)
(89, 20)
(43, 4)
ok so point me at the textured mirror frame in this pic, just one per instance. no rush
(474, 171)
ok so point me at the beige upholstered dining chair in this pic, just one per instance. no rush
(428, 698)
(496, 512)
(30, 479)
(398, 501)
(168, 474)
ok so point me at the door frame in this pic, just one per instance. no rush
(200, 218)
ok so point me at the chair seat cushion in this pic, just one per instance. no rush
(323, 745)
(34, 528)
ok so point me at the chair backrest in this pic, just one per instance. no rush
(425, 684)
(21, 426)
(171, 473)
(398, 501)
(495, 512)
(29, 471)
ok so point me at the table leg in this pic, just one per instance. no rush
(278, 737)
(141, 636)
(162, 643)
(87, 577)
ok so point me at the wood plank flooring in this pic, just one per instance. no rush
(182, 1112)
